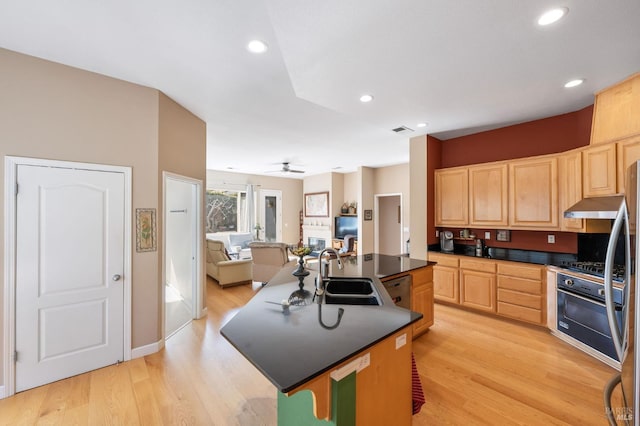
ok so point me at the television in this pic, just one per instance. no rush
(345, 225)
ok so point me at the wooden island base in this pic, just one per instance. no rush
(381, 391)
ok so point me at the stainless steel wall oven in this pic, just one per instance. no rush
(582, 315)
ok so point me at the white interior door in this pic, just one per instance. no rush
(181, 252)
(69, 263)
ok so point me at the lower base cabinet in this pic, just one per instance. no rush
(478, 290)
(510, 289)
(422, 298)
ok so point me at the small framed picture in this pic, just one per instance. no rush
(145, 230)
(368, 214)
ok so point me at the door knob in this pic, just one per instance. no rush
(116, 277)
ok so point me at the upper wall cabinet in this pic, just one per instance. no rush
(452, 197)
(628, 153)
(488, 196)
(533, 193)
(616, 112)
(570, 192)
(599, 170)
(570, 188)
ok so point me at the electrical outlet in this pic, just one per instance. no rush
(487, 235)
(437, 233)
(551, 239)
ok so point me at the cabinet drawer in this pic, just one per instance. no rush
(519, 284)
(521, 271)
(444, 259)
(520, 312)
(478, 265)
(422, 276)
(520, 299)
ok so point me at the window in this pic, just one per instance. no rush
(226, 211)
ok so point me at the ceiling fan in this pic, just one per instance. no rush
(286, 168)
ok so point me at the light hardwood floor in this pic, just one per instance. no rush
(475, 369)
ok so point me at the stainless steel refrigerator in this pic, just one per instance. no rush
(626, 411)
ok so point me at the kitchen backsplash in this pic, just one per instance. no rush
(565, 242)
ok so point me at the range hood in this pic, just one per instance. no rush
(596, 208)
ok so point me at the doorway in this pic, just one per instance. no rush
(68, 292)
(270, 214)
(182, 251)
(388, 225)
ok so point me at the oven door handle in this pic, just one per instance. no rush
(618, 335)
(586, 299)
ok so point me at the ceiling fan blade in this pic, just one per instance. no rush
(295, 171)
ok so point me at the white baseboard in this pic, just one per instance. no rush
(149, 349)
(2, 392)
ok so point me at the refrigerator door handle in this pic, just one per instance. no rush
(618, 336)
(608, 390)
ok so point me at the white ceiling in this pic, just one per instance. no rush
(462, 66)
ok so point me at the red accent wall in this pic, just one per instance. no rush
(566, 242)
(546, 136)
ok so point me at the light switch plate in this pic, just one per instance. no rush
(401, 341)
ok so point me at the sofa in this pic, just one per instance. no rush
(268, 259)
(225, 271)
(236, 243)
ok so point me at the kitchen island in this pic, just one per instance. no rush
(300, 349)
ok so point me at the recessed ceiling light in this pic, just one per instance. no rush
(574, 83)
(553, 15)
(366, 98)
(421, 125)
(257, 46)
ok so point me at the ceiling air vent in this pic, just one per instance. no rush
(402, 129)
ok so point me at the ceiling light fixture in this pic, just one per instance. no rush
(574, 83)
(551, 16)
(366, 98)
(257, 46)
(421, 125)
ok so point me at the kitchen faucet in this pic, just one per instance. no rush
(320, 278)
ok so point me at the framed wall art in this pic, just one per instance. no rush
(316, 204)
(146, 230)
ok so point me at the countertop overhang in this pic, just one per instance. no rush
(292, 349)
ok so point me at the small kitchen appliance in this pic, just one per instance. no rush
(446, 241)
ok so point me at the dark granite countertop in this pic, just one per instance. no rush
(512, 255)
(292, 349)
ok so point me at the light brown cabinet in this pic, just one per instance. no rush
(488, 195)
(511, 289)
(628, 152)
(533, 193)
(570, 192)
(599, 170)
(478, 284)
(422, 298)
(616, 111)
(445, 277)
(570, 188)
(521, 292)
(452, 197)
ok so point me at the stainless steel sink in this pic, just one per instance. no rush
(351, 291)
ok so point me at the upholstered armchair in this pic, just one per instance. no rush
(347, 245)
(268, 259)
(224, 270)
